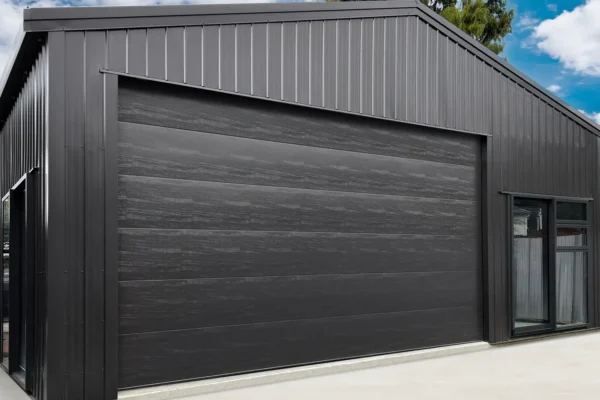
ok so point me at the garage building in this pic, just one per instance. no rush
(193, 192)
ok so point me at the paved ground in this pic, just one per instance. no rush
(566, 367)
(9, 389)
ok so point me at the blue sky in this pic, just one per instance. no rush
(555, 42)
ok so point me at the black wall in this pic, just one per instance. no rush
(22, 148)
(534, 149)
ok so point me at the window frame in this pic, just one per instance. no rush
(582, 224)
(553, 249)
(549, 261)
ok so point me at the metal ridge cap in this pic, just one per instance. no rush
(68, 13)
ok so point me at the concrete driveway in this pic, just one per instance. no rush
(9, 389)
(566, 367)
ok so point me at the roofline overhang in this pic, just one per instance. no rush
(93, 13)
(101, 18)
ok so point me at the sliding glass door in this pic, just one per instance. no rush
(549, 247)
(530, 265)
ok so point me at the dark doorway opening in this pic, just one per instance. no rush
(18, 270)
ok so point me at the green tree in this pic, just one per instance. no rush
(488, 22)
(439, 5)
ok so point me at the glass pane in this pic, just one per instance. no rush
(571, 211)
(571, 237)
(5, 278)
(530, 263)
(571, 288)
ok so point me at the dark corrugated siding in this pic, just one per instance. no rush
(386, 67)
(533, 149)
(76, 203)
(22, 144)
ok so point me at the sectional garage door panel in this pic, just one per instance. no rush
(193, 353)
(150, 254)
(149, 202)
(181, 108)
(256, 235)
(148, 306)
(191, 155)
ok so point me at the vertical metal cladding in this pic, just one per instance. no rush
(402, 68)
(386, 67)
(22, 143)
(542, 149)
(534, 148)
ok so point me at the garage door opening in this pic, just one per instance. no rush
(256, 235)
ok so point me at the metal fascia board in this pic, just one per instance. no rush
(66, 13)
(209, 19)
(507, 69)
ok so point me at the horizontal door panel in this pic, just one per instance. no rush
(176, 355)
(146, 150)
(181, 254)
(147, 306)
(198, 110)
(146, 202)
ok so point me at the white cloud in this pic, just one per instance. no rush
(11, 15)
(594, 116)
(527, 22)
(552, 7)
(573, 38)
(10, 22)
(554, 88)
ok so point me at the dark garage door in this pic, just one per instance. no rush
(255, 235)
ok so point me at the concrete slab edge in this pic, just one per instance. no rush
(194, 388)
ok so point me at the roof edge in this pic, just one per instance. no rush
(69, 13)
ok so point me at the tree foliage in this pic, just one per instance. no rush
(439, 5)
(488, 22)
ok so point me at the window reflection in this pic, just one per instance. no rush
(571, 211)
(571, 237)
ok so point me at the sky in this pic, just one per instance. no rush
(557, 43)
(554, 42)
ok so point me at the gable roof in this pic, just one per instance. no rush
(38, 21)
